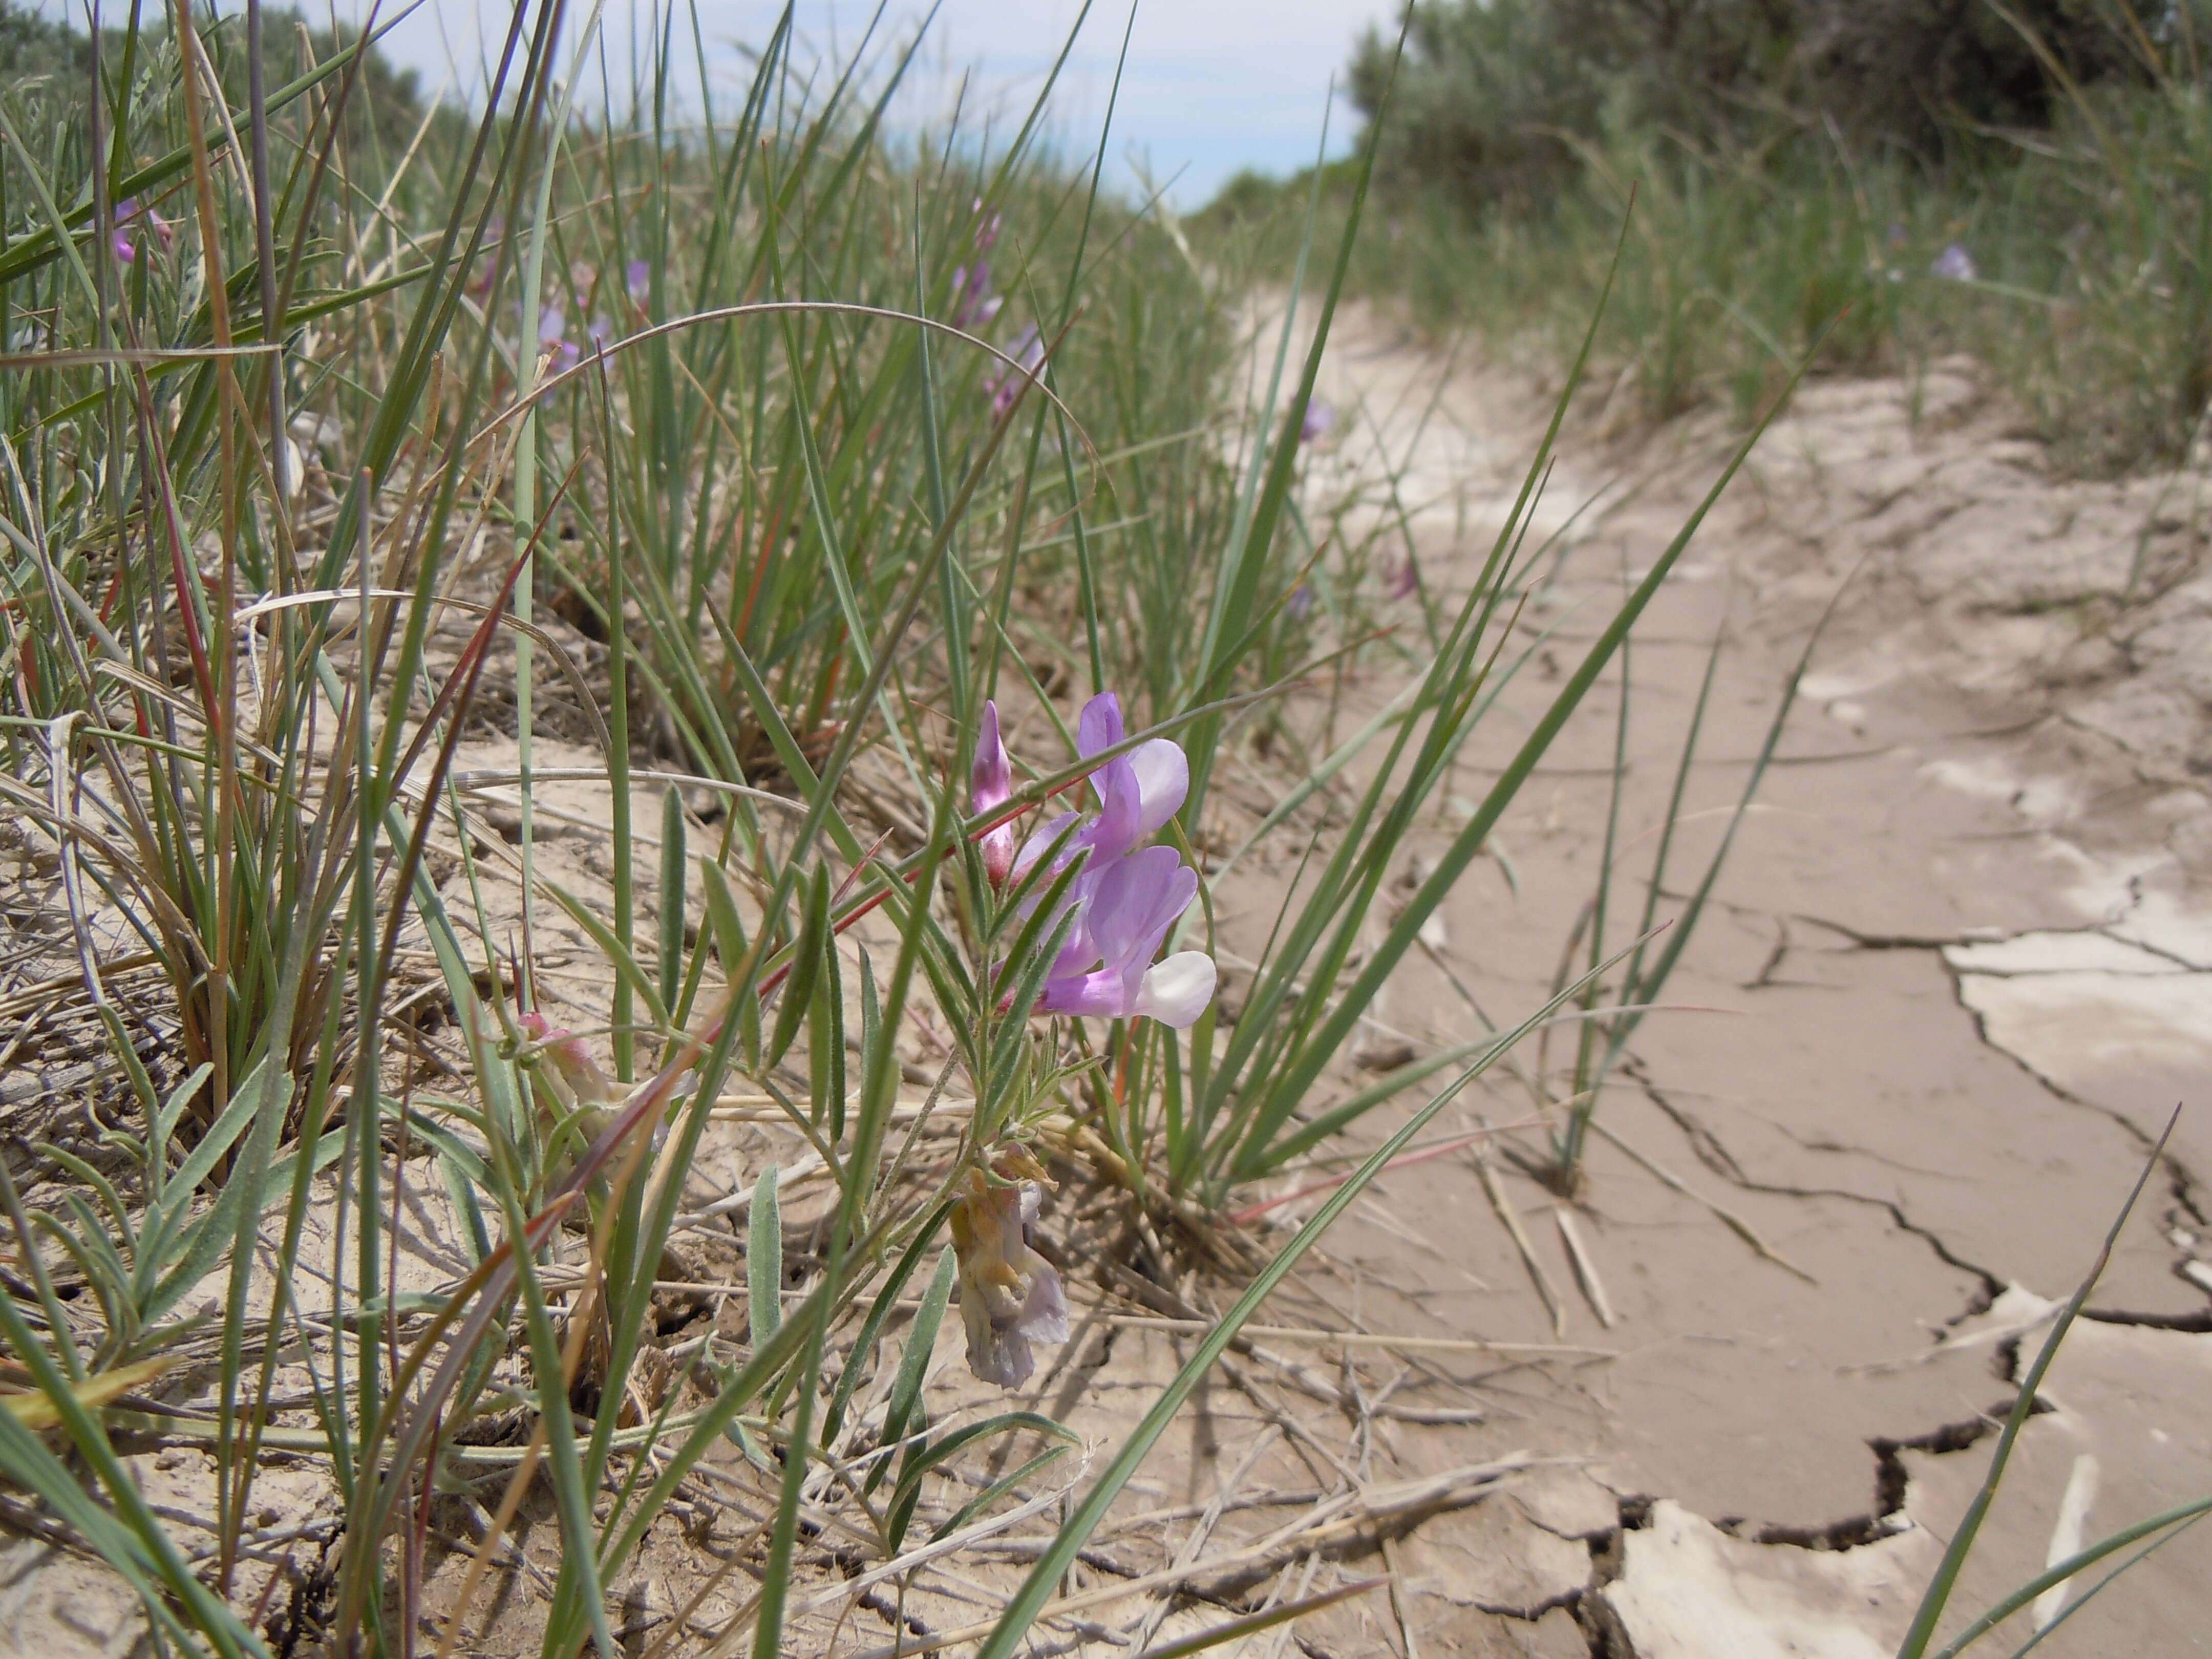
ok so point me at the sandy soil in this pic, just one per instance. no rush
(1958, 980)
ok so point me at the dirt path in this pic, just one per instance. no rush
(1961, 973)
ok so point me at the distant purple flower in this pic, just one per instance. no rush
(552, 338)
(991, 785)
(1300, 603)
(637, 281)
(1319, 421)
(129, 216)
(1028, 353)
(974, 305)
(599, 335)
(1010, 1296)
(1954, 264)
(1406, 581)
(986, 229)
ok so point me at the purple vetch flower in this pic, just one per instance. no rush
(1028, 354)
(1406, 581)
(1010, 1296)
(637, 281)
(1127, 897)
(1300, 603)
(974, 305)
(1121, 905)
(1137, 793)
(1106, 970)
(1318, 421)
(129, 217)
(1954, 264)
(991, 785)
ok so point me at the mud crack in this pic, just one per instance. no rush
(1713, 1153)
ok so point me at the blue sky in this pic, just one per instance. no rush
(1211, 85)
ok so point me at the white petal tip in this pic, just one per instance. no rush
(1175, 991)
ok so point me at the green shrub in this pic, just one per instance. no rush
(1494, 95)
(1799, 163)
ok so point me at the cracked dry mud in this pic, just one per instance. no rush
(1958, 974)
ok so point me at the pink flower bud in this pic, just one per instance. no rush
(572, 1063)
(991, 784)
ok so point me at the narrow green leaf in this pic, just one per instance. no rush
(673, 863)
(764, 1261)
(899, 1415)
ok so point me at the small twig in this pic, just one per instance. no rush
(1364, 1338)
(1398, 1600)
(1500, 1203)
(1736, 1222)
(1585, 1265)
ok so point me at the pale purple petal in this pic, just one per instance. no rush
(1005, 385)
(126, 244)
(991, 780)
(995, 1355)
(1101, 994)
(1099, 727)
(1120, 799)
(552, 324)
(1954, 264)
(973, 302)
(1319, 421)
(1041, 842)
(1044, 1313)
(1139, 899)
(1135, 900)
(637, 279)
